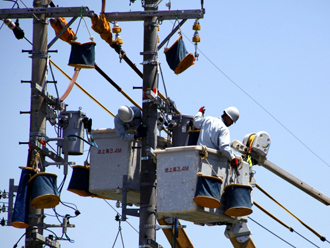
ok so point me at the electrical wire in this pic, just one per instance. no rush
(260, 105)
(120, 215)
(271, 232)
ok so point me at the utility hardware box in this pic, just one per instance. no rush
(111, 160)
(177, 179)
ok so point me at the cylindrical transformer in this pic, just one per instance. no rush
(73, 130)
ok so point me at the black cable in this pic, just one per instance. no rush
(271, 232)
(15, 245)
(306, 239)
(60, 187)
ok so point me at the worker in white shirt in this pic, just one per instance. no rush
(128, 123)
(214, 132)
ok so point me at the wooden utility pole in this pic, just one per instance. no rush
(38, 108)
(148, 208)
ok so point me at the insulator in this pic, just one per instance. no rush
(116, 29)
(158, 28)
(196, 25)
(196, 37)
(118, 39)
(10, 24)
(158, 40)
(18, 32)
(3, 222)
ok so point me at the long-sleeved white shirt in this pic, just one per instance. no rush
(214, 134)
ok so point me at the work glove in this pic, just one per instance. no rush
(234, 163)
(202, 110)
(140, 134)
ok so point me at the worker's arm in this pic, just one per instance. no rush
(120, 130)
(199, 117)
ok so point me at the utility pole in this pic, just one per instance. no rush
(148, 208)
(38, 109)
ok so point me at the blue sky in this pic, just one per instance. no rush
(270, 59)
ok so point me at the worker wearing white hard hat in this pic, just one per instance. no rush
(128, 123)
(214, 132)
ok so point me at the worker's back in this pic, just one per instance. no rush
(214, 134)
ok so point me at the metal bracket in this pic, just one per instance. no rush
(152, 6)
(158, 227)
(125, 211)
(239, 230)
(150, 62)
(37, 89)
(36, 237)
(148, 53)
(45, 151)
(152, 243)
(150, 151)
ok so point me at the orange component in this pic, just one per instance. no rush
(101, 26)
(58, 24)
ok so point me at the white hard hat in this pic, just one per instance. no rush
(126, 114)
(233, 113)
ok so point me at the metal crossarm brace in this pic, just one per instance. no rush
(161, 15)
(171, 34)
(49, 12)
(62, 31)
(35, 144)
(49, 98)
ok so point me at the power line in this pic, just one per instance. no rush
(232, 81)
(120, 214)
(271, 232)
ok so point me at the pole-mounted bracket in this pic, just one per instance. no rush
(36, 237)
(153, 244)
(132, 211)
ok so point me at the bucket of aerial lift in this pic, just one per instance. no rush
(82, 54)
(208, 191)
(177, 56)
(44, 193)
(177, 183)
(183, 131)
(79, 182)
(111, 161)
(20, 218)
(73, 130)
(237, 200)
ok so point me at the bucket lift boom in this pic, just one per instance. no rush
(257, 146)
